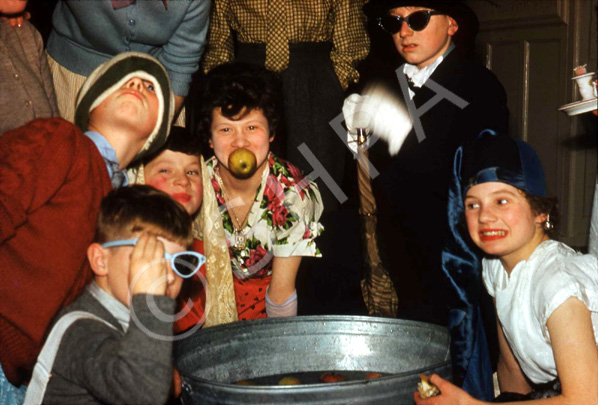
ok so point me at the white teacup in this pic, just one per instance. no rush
(586, 85)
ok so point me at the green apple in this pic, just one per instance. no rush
(289, 381)
(242, 163)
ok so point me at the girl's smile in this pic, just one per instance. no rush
(487, 235)
(181, 197)
(501, 222)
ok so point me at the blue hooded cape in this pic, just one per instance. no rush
(489, 158)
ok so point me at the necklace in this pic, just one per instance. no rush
(239, 239)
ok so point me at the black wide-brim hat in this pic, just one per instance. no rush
(464, 16)
(454, 8)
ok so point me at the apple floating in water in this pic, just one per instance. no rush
(332, 378)
(289, 380)
(242, 163)
(245, 382)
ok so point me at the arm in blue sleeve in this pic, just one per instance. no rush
(181, 55)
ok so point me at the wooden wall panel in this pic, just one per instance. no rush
(506, 61)
(532, 46)
(545, 93)
(511, 13)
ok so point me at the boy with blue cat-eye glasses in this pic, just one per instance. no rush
(117, 341)
(185, 264)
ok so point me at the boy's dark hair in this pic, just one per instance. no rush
(127, 210)
(233, 87)
(180, 140)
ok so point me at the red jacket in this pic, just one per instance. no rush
(52, 180)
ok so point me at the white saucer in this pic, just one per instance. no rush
(580, 107)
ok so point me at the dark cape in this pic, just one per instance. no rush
(412, 193)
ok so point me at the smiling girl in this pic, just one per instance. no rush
(545, 293)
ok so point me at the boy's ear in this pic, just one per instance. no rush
(453, 26)
(96, 255)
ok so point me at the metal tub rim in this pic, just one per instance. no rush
(395, 387)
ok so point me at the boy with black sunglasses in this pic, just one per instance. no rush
(451, 99)
(116, 339)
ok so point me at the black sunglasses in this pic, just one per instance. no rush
(417, 21)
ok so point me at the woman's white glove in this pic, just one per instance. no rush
(381, 113)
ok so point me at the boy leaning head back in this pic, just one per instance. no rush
(138, 227)
(129, 101)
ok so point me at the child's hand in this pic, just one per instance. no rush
(148, 269)
(449, 394)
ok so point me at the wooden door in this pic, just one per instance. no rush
(533, 46)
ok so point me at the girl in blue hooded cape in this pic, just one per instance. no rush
(545, 293)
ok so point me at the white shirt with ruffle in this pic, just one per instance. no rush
(536, 287)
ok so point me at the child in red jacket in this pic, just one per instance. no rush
(53, 177)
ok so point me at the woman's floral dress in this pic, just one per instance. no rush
(283, 222)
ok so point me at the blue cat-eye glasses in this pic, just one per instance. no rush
(185, 264)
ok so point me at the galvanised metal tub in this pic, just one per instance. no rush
(211, 360)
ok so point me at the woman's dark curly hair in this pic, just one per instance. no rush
(236, 88)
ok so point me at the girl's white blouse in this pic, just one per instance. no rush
(536, 287)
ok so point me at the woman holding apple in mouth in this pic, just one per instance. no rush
(269, 210)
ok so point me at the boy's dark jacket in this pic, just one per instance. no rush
(97, 364)
(412, 192)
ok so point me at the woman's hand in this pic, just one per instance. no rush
(449, 394)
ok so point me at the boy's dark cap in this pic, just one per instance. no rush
(454, 8)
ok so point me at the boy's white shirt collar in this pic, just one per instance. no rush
(420, 76)
(116, 308)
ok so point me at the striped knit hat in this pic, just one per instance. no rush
(112, 75)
